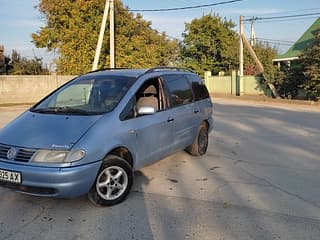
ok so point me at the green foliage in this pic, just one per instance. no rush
(303, 73)
(265, 54)
(24, 66)
(292, 80)
(72, 28)
(17, 65)
(5, 65)
(4, 62)
(210, 44)
(271, 73)
(310, 66)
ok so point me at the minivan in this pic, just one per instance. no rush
(92, 133)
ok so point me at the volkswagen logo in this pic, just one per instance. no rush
(12, 153)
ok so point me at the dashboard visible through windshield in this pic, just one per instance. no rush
(86, 96)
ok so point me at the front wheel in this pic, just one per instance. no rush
(113, 182)
(200, 143)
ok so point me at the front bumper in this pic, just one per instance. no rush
(67, 182)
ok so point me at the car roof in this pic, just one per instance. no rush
(118, 72)
(137, 72)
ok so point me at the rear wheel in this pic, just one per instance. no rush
(200, 143)
(113, 182)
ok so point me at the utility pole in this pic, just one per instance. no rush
(243, 40)
(102, 29)
(241, 47)
(252, 33)
(112, 58)
(241, 56)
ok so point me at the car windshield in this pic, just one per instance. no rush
(86, 95)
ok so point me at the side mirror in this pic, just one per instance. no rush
(146, 110)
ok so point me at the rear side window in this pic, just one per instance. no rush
(198, 87)
(180, 92)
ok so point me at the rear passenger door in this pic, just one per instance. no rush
(183, 110)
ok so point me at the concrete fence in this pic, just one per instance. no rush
(234, 85)
(28, 89)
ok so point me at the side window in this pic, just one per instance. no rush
(129, 111)
(179, 89)
(150, 94)
(198, 87)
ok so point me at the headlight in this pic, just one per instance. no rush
(53, 156)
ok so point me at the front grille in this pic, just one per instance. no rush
(22, 154)
(3, 151)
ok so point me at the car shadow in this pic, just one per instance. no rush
(30, 217)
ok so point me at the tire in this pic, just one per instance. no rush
(200, 143)
(113, 182)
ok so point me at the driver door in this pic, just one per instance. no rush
(151, 135)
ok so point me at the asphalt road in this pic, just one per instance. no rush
(259, 180)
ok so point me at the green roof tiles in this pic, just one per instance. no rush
(303, 42)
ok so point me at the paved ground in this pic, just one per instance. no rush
(259, 180)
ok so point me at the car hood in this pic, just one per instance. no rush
(46, 131)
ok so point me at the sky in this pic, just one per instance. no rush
(20, 18)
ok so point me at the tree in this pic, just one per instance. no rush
(292, 79)
(310, 66)
(4, 62)
(72, 29)
(271, 73)
(5, 65)
(265, 54)
(210, 44)
(24, 66)
(303, 73)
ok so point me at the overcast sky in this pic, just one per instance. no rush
(19, 19)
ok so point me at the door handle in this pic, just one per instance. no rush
(132, 131)
(170, 119)
(196, 111)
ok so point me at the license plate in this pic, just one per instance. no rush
(8, 176)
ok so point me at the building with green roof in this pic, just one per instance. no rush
(303, 42)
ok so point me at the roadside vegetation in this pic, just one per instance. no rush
(209, 43)
(72, 29)
(15, 64)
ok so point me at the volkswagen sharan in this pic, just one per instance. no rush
(89, 135)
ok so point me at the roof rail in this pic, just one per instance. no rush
(106, 69)
(156, 69)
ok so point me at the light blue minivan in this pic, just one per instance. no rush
(89, 135)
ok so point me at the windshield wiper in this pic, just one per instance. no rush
(63, 110)
(44, 110)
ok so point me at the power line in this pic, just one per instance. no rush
(291, 11)
(184, 8)
(285, 20)
(273, 42)
(267, 39)
(189, 2)
(282, 17)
